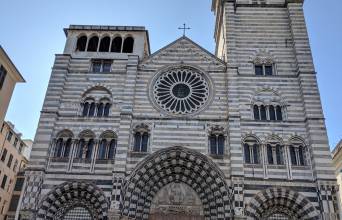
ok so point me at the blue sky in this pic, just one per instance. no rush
(32, 32)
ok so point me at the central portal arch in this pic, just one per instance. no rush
(177, 165)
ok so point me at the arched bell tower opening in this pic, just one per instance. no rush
(177, 172)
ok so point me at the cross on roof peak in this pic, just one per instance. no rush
(184, 28)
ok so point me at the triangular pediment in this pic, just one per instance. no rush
(184, 50)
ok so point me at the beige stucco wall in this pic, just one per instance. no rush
(12, 170)
(13, 76)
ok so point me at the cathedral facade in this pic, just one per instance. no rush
(182, 133)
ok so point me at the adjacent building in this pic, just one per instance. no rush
(337, 161)
(183, 133)
(13, 159)
(9, 76)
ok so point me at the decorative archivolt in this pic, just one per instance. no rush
(97, 93)
(274, 138)
(73, 194)
(277, 200)
(217, 129)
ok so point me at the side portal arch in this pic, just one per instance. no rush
(177, 165)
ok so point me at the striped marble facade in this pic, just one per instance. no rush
(247, 32)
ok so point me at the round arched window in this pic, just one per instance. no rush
(181, 90)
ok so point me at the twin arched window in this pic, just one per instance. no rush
(251, 152)
(106, 44)
(85, 148)
(268, 112)
(141, 138)
(275, 154)
(216, 142)
(297, 154)
(92, 109)
(62, 147)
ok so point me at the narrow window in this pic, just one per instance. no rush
(116, 45)
(263, 112)
(92, 110)
(15, 142)
(270, 154)
(104, 45)
(4, 154)
(144, 142)
(293, 155)
(301, 156)
(128, 45)
(85, 109)
(81, 146)
(67, 149)
(212, 141)
(220, 144)
(268, 70)
(3, 74)
(90, 149)
(256, 112)
(102, 150)
(81, 43)
(107, 66)
(9, 162)
(4, 180)
(247, 153)
(279, 155)
(106, 110)
(58, 148)
(256, 153)
(97, 66)
(92, 45)
(100, 110)
(9, 136)
(21, 146)
(137, 141)
(272, 113)
(259, 70)
(279, 113)
(112, 149)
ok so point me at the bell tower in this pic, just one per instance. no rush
(266, 46)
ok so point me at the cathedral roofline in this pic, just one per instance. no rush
(192, 42)
(73, 27)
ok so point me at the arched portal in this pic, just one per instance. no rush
(176, 165)
(281, 204)
(72, 199)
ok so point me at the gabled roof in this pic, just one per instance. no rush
(9, 66)
(192, 43)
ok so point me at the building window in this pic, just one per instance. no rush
(116, 45)
(9, 162)
(4, 154)
(251, 152)
(104, 45)
(140, 142)
(297, 154)
(21, 148)
(216, 143)
(107, 147)
(270, 113)
(128, 45)
(275, 154)
(101, 66)
(92, 109)
(263, 69)
(15, 142)
(15, 165)
(3, 74)
(3, 183)
(9, 136)
(81, 43)
(92, 44)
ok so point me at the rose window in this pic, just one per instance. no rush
(181, 91)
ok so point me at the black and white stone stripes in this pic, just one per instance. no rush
(177, 164)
